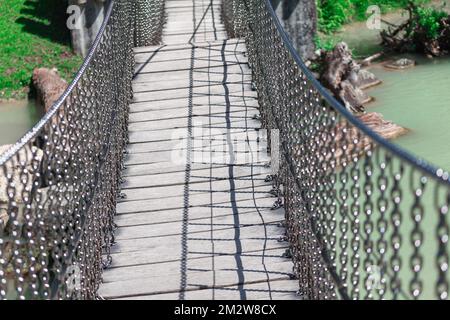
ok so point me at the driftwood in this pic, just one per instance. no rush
(343, 76)
(367, 61)
(384, 128)
(346, 135)
(341, 143)
(49, 86)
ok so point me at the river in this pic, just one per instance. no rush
(16, 118)
(417, 98)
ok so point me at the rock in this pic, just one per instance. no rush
(366, 79)
(400, 64)
(49, 86)
(22, 177)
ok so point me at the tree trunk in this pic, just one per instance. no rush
(49, 86)
(300, 22)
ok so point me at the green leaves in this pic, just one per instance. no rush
(334, 13)
(429, 20)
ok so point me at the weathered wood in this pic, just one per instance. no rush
(200, 213)
(156, 205)
(279, 290)
(202, 228)
(199, 279)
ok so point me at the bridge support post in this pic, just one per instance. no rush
(300, 22)
(88, 15)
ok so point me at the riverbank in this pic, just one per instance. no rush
(33, 34)
(365, 42)
(417, 98)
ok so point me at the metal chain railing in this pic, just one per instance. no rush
(149, 17)
(60, 182)
(365, 219)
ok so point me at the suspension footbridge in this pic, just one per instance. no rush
(195, 156)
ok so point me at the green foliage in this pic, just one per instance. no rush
(429, 20)
(334, 13)
(325, 43)
(33, 34)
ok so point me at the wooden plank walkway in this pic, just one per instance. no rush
(197, 220)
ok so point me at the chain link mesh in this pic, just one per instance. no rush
(365, 219)
(149, 17)
(60, 182)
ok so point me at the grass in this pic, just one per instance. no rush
(33, 34)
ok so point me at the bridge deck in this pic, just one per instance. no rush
(196, 222)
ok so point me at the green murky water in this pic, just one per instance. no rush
(418, 99)
(16, 118)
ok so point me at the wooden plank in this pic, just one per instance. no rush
(279, 290)
(216, 89)
(216, 176)
(155, 205)
(150, 282)
(206, 52)
(184, 62)
(185, 83)
(167, 134)
(184, 46)
(199, 214)
(234, 103)
(169, 166)
(273, 261)
(199, 96)
(199, 122)
(251, 237)
(220, 192)
(212, 110)
(195, 228)
(135, 258)
(200, 77)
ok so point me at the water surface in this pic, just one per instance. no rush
(418, 99)
(16, 118)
